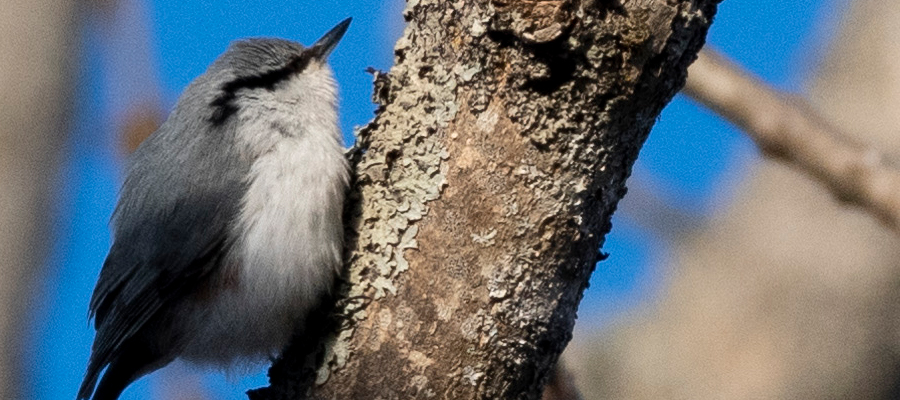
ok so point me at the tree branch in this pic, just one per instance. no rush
(485, 186)
(785, 128)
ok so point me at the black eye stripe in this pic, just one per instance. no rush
(223, 105)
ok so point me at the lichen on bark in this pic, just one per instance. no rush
(485, 185)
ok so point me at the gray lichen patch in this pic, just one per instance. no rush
(400, 172)
(471, 375)
(486, 238)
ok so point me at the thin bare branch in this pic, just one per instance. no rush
(785, 128)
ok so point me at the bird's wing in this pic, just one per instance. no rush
(171, 229)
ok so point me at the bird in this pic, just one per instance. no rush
(228, 228)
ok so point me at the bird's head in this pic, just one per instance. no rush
(263, 71)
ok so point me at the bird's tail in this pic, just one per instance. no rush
(90, 379)
(125, 368)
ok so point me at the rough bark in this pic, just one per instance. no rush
(36, 42)
(484, 189)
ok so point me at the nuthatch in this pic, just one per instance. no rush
(228, 229)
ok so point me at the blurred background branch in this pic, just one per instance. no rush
(787, 129)
(37, 39)
(562, 385)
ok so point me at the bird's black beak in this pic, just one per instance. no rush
(323, 47)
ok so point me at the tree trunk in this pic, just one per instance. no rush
(484, 188)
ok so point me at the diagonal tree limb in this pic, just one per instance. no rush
(786, 129)
(484, 188)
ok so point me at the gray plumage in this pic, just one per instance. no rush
(228, 227)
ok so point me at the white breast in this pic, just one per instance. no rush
(287, 258)
(290, 237)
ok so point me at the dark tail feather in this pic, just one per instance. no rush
(90, 379)
(127, 367)
(117, 377)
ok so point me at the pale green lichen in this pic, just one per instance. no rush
(485, 239)
(409, 156)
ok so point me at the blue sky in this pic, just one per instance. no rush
(691, 156)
